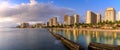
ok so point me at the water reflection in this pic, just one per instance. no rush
(28, 39)
(85, 37)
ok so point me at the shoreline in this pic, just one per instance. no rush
(91, 29)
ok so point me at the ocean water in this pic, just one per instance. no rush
(28, 39)
(85, 37)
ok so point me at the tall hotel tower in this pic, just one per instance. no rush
(110, 15)
(70, 20)
(51, 22)
(98, 18)
(66, 19)
(55, 23)
(76, 18)
(119, 16)
(91, 18)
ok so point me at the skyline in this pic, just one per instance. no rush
(12, 11)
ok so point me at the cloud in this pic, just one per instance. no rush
(32, 11)
(33, 2)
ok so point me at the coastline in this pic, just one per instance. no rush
(91, 29)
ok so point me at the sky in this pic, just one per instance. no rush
(13, 12)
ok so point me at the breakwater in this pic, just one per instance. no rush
(70, 44)
(99, 46)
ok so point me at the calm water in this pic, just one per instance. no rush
(85, 37)
(28, 39)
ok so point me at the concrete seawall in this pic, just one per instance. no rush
(99, 46)
(91, 29)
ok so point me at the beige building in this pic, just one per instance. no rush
(98, 18)
(66, 19)
(70, 20)
(51, 22)
(119, 16)
(76, 18)
(110, 15)
(55, 23)
(38, 25)
(91, 18)
(24, 25)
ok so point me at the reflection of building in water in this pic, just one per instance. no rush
(88, 32)
(97, 36)
(106, 34)
(67, 34)
(108, 38)
(93, 34)
(55, 30)
(109, 41)
(88, 39)
(75, 34)
(115, 35)
(50, 30)
(84, 33)
(64, 32)
(118, 41)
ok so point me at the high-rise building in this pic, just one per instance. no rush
(98, 18)
(47, 24)
(24, 25)
(119, 16)
(50, 22)
(70, 20)
(38, 25)
(110, 15)
(91, 18)
(66, 19)
(76, 18)
(55, 21)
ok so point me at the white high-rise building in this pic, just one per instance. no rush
(110, 15)
(55, 23)
(119, 16)
(51, 22)
(98, 18)
(66, 19)
(91, 18)
(76, 18)
(70, 20)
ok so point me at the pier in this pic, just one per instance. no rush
(70, 44)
